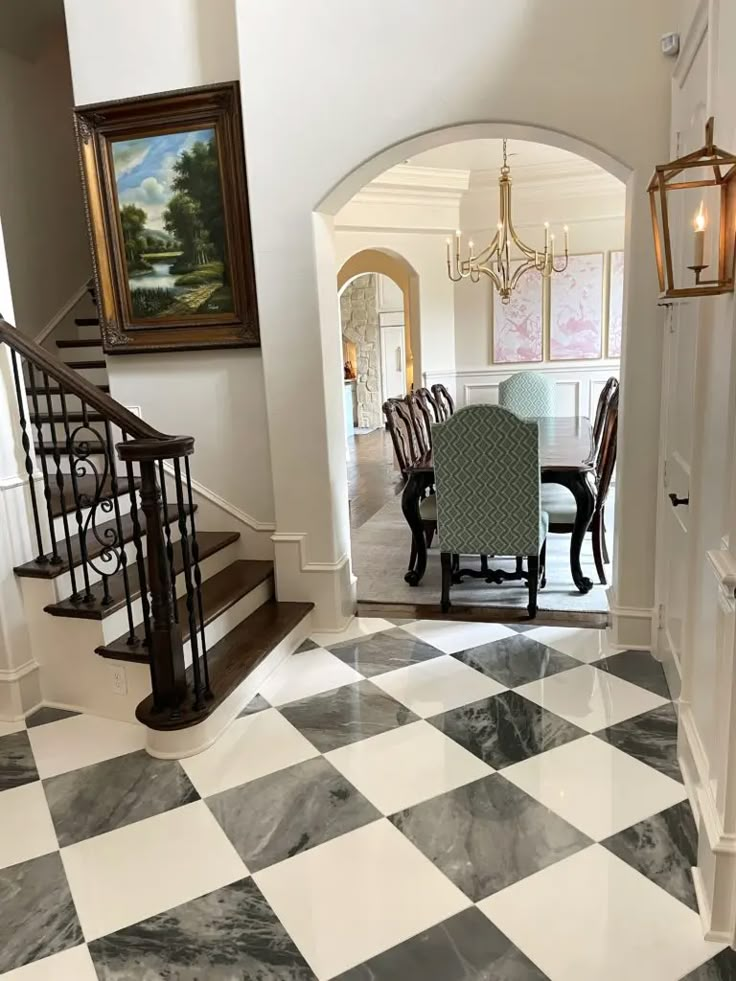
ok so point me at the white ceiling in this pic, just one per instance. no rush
(26, 25)
(487, 155)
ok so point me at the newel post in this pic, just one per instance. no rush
(168, 670)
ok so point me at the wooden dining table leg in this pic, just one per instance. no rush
(578, 483)
(410, 501)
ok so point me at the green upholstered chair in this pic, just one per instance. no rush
(528, 394)
(486, 464)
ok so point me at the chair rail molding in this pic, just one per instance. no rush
(322, 583)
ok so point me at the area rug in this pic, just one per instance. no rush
(381, 553)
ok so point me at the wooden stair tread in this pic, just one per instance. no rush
(70, 416)
(87, 321)
(219, 593)
(209, 542)
(47, 570)
(80, 342)
(41, 391)
(86, 487)
(48, 448)
(81, 365)
(233, 658)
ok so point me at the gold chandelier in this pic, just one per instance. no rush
(496, 259)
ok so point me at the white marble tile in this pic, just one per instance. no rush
(595, 786)
(406, 765)
(590, 698)
(27, 828)
(252, 747)
(8, 728)
(358, 627)
(80, 741)
(74, 964)
(356, 895)
(436, 686)
(127, 875)
(305, 674)
(585, 645)
(591, 916)
(451, 636)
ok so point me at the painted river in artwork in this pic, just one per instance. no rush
(158, 278)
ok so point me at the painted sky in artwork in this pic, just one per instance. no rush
(144, 169)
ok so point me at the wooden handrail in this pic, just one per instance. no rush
(75, 384)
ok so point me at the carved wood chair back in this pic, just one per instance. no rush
(401, 429)
(445, 401)
(606, 459)
(609, 390)
(421, 417)
(429, 404)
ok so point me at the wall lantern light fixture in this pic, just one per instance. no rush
(696, 193)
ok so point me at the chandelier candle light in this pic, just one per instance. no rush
(496, 258)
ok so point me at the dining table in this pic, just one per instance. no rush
(566, 456)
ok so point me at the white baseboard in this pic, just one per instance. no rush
(630, 626)
(329, 585)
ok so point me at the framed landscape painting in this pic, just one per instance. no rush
(168, 213)
(576, 310)
(615, 304)
(518, 325)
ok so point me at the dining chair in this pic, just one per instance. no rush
(559, 503)
(445, 401)
(408, 450)
(604, 399)
(488, 500)
(429, 403)
(528, 394)
(422, 417)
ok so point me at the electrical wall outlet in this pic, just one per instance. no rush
(118, 679)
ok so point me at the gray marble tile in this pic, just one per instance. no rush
(112, 794)
(650, 738)
(720, 968)
(38, 916)
(346, 715)
(638, 667)
(488, 834)
(45, 714)
(384, 651)
(505, 729)
(308, 645)
(257, 704)
(514, 661)
(467, 947)
(521, 628)
(287, 812)
(231, 934)
(664, 848)
(17, 765)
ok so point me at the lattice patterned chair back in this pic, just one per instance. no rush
(487, 482)
(528, 394)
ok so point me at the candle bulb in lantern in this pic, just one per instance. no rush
(699, 247)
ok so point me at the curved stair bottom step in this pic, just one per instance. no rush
(239, 666)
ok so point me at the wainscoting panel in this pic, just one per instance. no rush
(577, 384)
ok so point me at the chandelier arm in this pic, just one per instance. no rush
(523, 268)
(486, 270)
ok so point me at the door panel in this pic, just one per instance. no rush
(393, 360)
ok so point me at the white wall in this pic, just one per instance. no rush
(40, 193)
(121, 49)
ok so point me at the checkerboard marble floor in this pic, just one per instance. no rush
(409, 801)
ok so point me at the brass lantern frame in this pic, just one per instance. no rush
(664, 181)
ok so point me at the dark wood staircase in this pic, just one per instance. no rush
(116, 539)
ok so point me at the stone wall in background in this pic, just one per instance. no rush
(360, 326)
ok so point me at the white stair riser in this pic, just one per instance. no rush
(83, 352)
(117, 623)
(98, 376)
(228, 620)
(123, 504)
(89, 332)
(73, 404)
(65, 464)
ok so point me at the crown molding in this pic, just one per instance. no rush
(407, 175)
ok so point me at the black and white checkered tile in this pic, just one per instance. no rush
(431, 801)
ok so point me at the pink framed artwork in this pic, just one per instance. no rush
(576, 310)
(518, 325)
(615, 304)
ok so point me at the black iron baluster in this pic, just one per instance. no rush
(60, 484)
(197, 579)
(26, 443)
(110, 451)
(98, 498)
(78, 507)
(184, 533)
(55, 558)
(140, 558)
(167, 532)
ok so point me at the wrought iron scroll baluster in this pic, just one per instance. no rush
(78, 504)
(139, 557)
(186, 561)
(55, 558)
(167, 532)
(60, 484)
(26, 444)
(197, 579)
(114, 490)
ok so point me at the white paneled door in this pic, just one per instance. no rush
(393, 362)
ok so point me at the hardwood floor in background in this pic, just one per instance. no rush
(373, 479)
